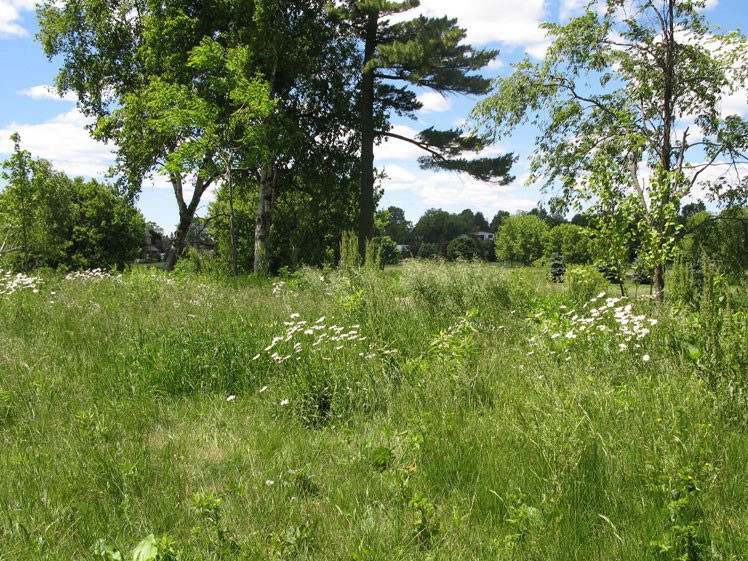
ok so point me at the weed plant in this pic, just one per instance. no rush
(449, 411)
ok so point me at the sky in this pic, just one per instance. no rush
(52, 128)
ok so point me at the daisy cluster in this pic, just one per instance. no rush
(601, 317)
(10, 283)
(91, 275)
(318, 336)
(278, 287)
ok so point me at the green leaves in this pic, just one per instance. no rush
(618, 99)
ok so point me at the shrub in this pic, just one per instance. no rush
(463, 247)
(584, 282)
(428, 250)
(387, 249)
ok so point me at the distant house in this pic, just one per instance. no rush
(484, 236)
(155, 245)
(404, 250)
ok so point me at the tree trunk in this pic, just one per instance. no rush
(180, 241)
(264, 219)
(366, 195)
(232, 227)
(186, 214)
(658, 283)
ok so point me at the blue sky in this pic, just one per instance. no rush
(52, 128)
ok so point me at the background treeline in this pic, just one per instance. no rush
(50, 220)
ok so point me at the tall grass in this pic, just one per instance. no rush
(439, 418)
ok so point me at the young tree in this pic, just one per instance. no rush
(633, 87)
(424, 53)
(521, 238)
(18, 204)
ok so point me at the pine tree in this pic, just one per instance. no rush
(425, 53)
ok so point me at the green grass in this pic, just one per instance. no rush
(481, 437)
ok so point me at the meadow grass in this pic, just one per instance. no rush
(433, 412)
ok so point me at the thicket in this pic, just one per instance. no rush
(48, 220)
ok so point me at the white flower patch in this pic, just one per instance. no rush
(302, 336)
(10, 283)
(91, 275)
(278, 288)
(610, 318)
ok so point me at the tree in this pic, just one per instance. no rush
(521, 238)
(309, 63)
(723, 238)
(424, 53)
(51, 220)
(481, 224)
(498, 219)
(396, 226)
(624, 89)
(168, 83)
(437, 226)
(572, 243)
(463, 247)
(18, 202)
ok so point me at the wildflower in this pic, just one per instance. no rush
(295, 315)
(645, 358)
(284, 402)
(622, 346)
(269, 482)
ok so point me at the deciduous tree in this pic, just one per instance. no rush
(633, 87)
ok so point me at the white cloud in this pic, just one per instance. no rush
(454, 192)
(394, 149)
(64, 141)
(10, 16)
(514, 23)
(711, 4)
(434, 102)
(570, 8)
(46, 92)
(735, 104)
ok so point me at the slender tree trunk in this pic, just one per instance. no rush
(232, 228)
(658, 283)
(264, 219)
(366, 195)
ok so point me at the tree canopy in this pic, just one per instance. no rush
(424, 53)
(625, 111)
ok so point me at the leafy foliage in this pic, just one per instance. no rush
(50, 220)
(521, 238)
(620, 144)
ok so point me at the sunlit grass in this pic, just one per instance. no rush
(439, 418)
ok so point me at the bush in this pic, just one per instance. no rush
(584, 282)
(463, 247)
(387, 249)
(428, 250)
